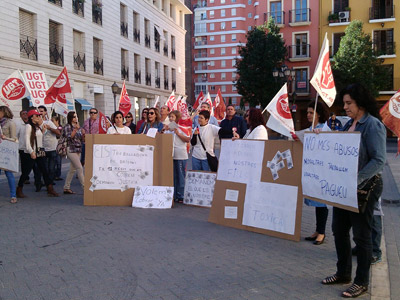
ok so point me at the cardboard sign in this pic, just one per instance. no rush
(258, 187)
(9, 156)
(199, 188)
(153, 197)
(161, 173)
(330, 164)
(37, 86)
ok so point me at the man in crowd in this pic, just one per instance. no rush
(164, 114)
(21, 126)
(91, 126)
(204, 107)
(333, 123)
(232, 123)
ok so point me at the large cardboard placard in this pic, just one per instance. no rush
(199, 188)
(9, 155)
(258, 187)
(162, 166)
(330, 164)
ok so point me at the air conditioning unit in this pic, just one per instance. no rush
(344, 16)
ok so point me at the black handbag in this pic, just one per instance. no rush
(40, 152)
(364, 194)
(212, 160)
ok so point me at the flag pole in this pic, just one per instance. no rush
(315, 110)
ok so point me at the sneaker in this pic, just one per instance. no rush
(376, 259)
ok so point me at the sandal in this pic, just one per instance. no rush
(354, 291)
(69, 191)
(13, 200)
(334, 279)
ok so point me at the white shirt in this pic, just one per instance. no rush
(49, 138)
(39, 139)
(207, 133)
(259, 133)
(123, 130)
(180, 149)
(166, 121)
(21, 129)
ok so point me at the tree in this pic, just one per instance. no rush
(263, 51)
(355, 61)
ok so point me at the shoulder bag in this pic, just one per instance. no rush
(364, 194)
(61, 148)
(40, 152)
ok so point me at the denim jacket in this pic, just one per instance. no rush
(372, 156)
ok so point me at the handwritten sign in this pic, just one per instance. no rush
(199, 188)
(330, 164)
(9, 158)
(37, 86)
(240, 161)
(122, 167)
(153, 197)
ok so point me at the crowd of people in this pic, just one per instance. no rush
(38, 137)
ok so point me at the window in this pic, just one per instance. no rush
(301, 81)
(147, 70)
(212, 63)
(27, 36)
(233, 11)
(123, 12)
(136, 27)
(97, 12)
(211, 38)
(124, 64)
(233, 24)
(336, 41)
(233, 75)
(249, 15)
(234, 50)
(223, 88)
(249, 28)
(222, 51)
(276, 12)
(200, 28)
(222, 38)
(222, 1)
(223, 76)
(211, 14)
(78, 7)
(233, 62)
(249, 2)
(222, 12)
(211, 1)
(340, 5)
(56, 49)
(79, 51)
(383, 42)
(222, 25)
(212, 75)
(212, 26)
(301, 11)
(212, 51)
(223, 63)
(157, 75)
(138, 73)
(389, 80)
(212, 88)
(301, 45)
(234, 88)
(97, 56)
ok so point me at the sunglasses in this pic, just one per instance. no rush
(150, 113)
(93, 113)
(130, 117)
(144, 112)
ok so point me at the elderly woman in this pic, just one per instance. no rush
(256, 126)
(118, 124)
(8, 132)
(153, 121)
(361, 107)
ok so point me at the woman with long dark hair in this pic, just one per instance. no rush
(142, 120)
(129, 122)
(256, 126)
(153, 121)
(118, 124)
(361, 107)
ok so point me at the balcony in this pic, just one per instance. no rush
(173, 85)
(339, 18)
(56, 2)
(201, 79)
(200, 43)
(97, 12)
(78, 7)
(157, 44)
(278, 16)
(200, 55)
(147, 40)
(138, 77)
(136, 35)
(166, 85)
(28, 47)
(124, 29)
(202, 3)
(79, 61)
(158, 82)
(173, 53)
(201, 67)
(384, 48)
(299, 17)
(165, 49)
(124, 73)
(56, 53)
(98, 65)
(148, 79)
(379, 13)
(299, 52)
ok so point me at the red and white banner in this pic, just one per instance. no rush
(13, 90)
(102, 123)
(185, 123)
(219, 107)
(200, 99)
(124, 101)
(60, 105)
(390, 114)
(280, 110)
(60, 86)
(322, 79)
(37, 86)
(171, 100)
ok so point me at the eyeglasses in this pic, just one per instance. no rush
(93, 113)
(144, 112)
(150, 113)
(130, 117)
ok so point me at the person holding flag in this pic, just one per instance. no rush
(118, 126)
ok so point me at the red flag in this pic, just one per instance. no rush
(124, 101)
(60, 86)
(199, 100)
(390, 114)
(102, 123)
(185, 123)
(171, 101)
(219, 107)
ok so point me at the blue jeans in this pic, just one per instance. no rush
(376, 234)
(51, 164)
(200, 164)
(11, 183)
(179, 178)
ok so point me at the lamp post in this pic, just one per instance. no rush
(115, 89)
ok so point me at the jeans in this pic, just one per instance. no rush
(37, 174)
(11, 183)
(27, 166)
(321, 215)
(57, 167)
(179, 178)
(376, 235)
(200, 164)
(51, 164)
(342, 221)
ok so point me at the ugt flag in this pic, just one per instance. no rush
(124, 101)
(390, 114)
(219, 107)
(171, 100)
(60, 86)
(199, 100)
(13, 90)
(279, 109)
(102, 123)
(322, 79)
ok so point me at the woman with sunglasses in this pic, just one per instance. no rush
(129, 122)
(153, 121)
(75, 137)
(142, 120)
(118, 124)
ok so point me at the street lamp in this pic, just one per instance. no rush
(115, 89)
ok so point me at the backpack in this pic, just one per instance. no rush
(61, 148)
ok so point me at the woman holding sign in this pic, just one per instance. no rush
(8, 132)
(361, 107)
(321, 211)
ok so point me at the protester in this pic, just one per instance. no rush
(179, 155)
(207, 133)
(142, 120)
(34, 148)
(195, 117)
(165, 114)
(129, 122)
(153, 121)
(256, 124)
(361, 107)
(8, 132)
(91, 126)
(75, 137)
(21, 129)
(321, 211)
(118, 124)
(232, 123)
(57, 169)
(333, 123)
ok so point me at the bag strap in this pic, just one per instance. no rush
(201, 141)
(37, 148)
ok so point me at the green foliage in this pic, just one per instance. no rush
(355, 61)
(263, 51)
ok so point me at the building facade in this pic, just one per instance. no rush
(100, 42)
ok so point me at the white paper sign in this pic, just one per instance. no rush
(240, 160)
(230, 212)
(199, 188)
(330, 164)
(152, 132)
(122, 167)
(9, 156)
(153, 197)
(231, 195)
(270, 206)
